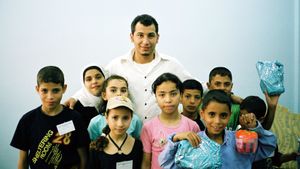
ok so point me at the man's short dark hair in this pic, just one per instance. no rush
(145, 20)
(50, 74)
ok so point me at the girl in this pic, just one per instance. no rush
(89, 96)
(113, 86)
(115, 148)
(167, 89)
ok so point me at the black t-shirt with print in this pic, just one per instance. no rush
(37, 134)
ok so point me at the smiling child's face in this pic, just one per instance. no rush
(215, 116)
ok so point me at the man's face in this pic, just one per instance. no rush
(221, 83)
(145, 39)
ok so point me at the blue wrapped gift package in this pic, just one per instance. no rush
(271, 77)
(205, 156)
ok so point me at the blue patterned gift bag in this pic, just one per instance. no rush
(205, 156)
(271, 76)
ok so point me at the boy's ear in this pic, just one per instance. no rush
(231, 86)
(208, 85)
(37, 88)
(199, 106)
(131, 37)
(103, 95)
(180, 98)
(64, 88)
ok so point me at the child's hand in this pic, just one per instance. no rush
(70, 103)
(248, 120)
(272, 101)
(236, 99)
(192, 137)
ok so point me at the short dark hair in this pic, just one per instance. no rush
(90, 68)
(192, 84)
(254, 104)
(50, 74)
(222, 71)
(167, 77)
(145, 20)
(218, 96)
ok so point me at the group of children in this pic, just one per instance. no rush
(54, 136)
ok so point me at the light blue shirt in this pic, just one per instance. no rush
(98, 122)
(230, 158)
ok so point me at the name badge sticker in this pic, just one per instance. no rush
(65, 127)
(124, 165)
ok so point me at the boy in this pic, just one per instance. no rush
(221, 78)
(254, 104)
(216, 113)
(191, 97)
(51, 136)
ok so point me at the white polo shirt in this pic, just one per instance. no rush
(141, 76)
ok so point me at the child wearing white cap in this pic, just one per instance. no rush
(113, 86)
(115, 148)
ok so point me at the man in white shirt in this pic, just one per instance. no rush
(143, 64)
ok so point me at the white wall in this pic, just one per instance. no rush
(201, 34)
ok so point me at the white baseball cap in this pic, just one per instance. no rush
(119, 101)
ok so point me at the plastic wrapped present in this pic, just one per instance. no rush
(271, 76)
(205, 156)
